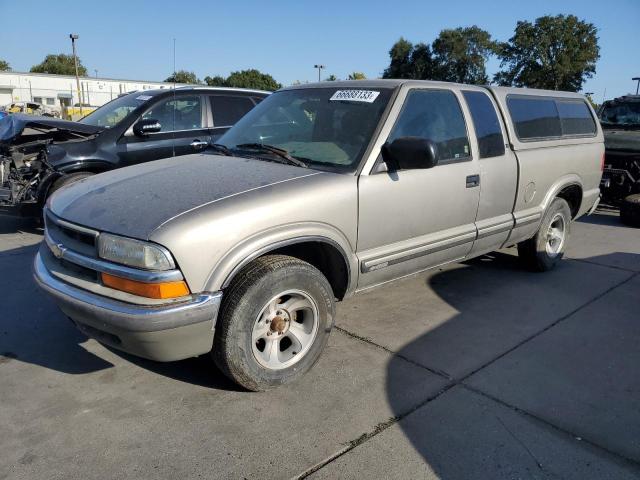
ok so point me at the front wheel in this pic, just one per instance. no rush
(68, 179)
(274, 322)
(542, 252)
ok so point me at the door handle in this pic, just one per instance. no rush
(473, 181)
(197, 144)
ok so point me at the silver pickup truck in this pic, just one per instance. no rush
(320, 192)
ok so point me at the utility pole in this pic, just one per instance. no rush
(96, 71)
(74, 37)
(636, 79)
(319, 67)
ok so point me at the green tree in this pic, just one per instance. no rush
(423, 66)
(357, 76)
(216, 81)
(410, 61)
(182, 76)
(400, 65)
(331, 78)
(4, 66)
(461, 54)
(252, 79)
(555, 52)
(60, 64)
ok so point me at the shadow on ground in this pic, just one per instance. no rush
(33, 330)
(10, 224)
(576, 370)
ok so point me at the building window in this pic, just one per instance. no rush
(51, 101)
(37, 100)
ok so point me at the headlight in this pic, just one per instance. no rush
(134, 253)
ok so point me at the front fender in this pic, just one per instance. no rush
(263, 242)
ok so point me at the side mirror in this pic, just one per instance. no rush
(409, 153)
(146, 126)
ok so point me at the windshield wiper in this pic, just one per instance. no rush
(223, 149)
(280, 152)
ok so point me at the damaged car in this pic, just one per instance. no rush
(620, 120)
(39, 155)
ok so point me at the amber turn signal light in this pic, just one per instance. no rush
(148, 290)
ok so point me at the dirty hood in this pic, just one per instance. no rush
(13, 125)
(136, 200)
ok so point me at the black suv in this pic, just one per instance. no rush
(38, 155)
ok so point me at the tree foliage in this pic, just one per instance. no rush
(331, 78)
(60, 64)
(400, 65)
(357, 76)
(216, 81)
(457, 55)
(555, 52)
(460, 55)
(183, 76)
(251, 78)
(4, 66)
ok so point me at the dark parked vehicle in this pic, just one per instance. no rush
(38, 155)
(620, 119)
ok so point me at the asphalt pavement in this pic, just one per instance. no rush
(475, 370)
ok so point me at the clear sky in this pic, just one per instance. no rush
(133, 39)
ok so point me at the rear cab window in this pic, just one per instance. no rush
(576, 118)
(544, 118)
(486, 124)
(434, 115)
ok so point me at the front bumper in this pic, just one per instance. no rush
(164, 333)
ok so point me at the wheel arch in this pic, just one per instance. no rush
(569, 188)
(326, 254)
(92, 166)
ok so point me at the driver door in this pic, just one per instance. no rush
(410, 220)
(183, 131)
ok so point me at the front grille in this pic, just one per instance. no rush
(76, 238)
(63, 235)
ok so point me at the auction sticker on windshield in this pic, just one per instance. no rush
(367, 96)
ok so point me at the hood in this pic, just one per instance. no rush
(13, 125)
(628, 140)
(134, 201)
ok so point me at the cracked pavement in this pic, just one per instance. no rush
(473, 370)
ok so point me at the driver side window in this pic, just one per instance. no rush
(182, 113)
(434, 115)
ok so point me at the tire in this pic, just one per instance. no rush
(281, 304)
(68, 179)
(542, 252)
(630, 210)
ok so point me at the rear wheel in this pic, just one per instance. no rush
(542, 252)
(274, 323)
(630, 210)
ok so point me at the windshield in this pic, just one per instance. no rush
(621, 113)
(327, 128)
(112, 113)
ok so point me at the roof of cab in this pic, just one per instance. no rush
(393, 83)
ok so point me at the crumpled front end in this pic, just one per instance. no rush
(26, 146)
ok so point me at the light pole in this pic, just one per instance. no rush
(636, 79)
(74, 37)
(96, 72)
(319, 67)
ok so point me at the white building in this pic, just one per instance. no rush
(61, 90)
